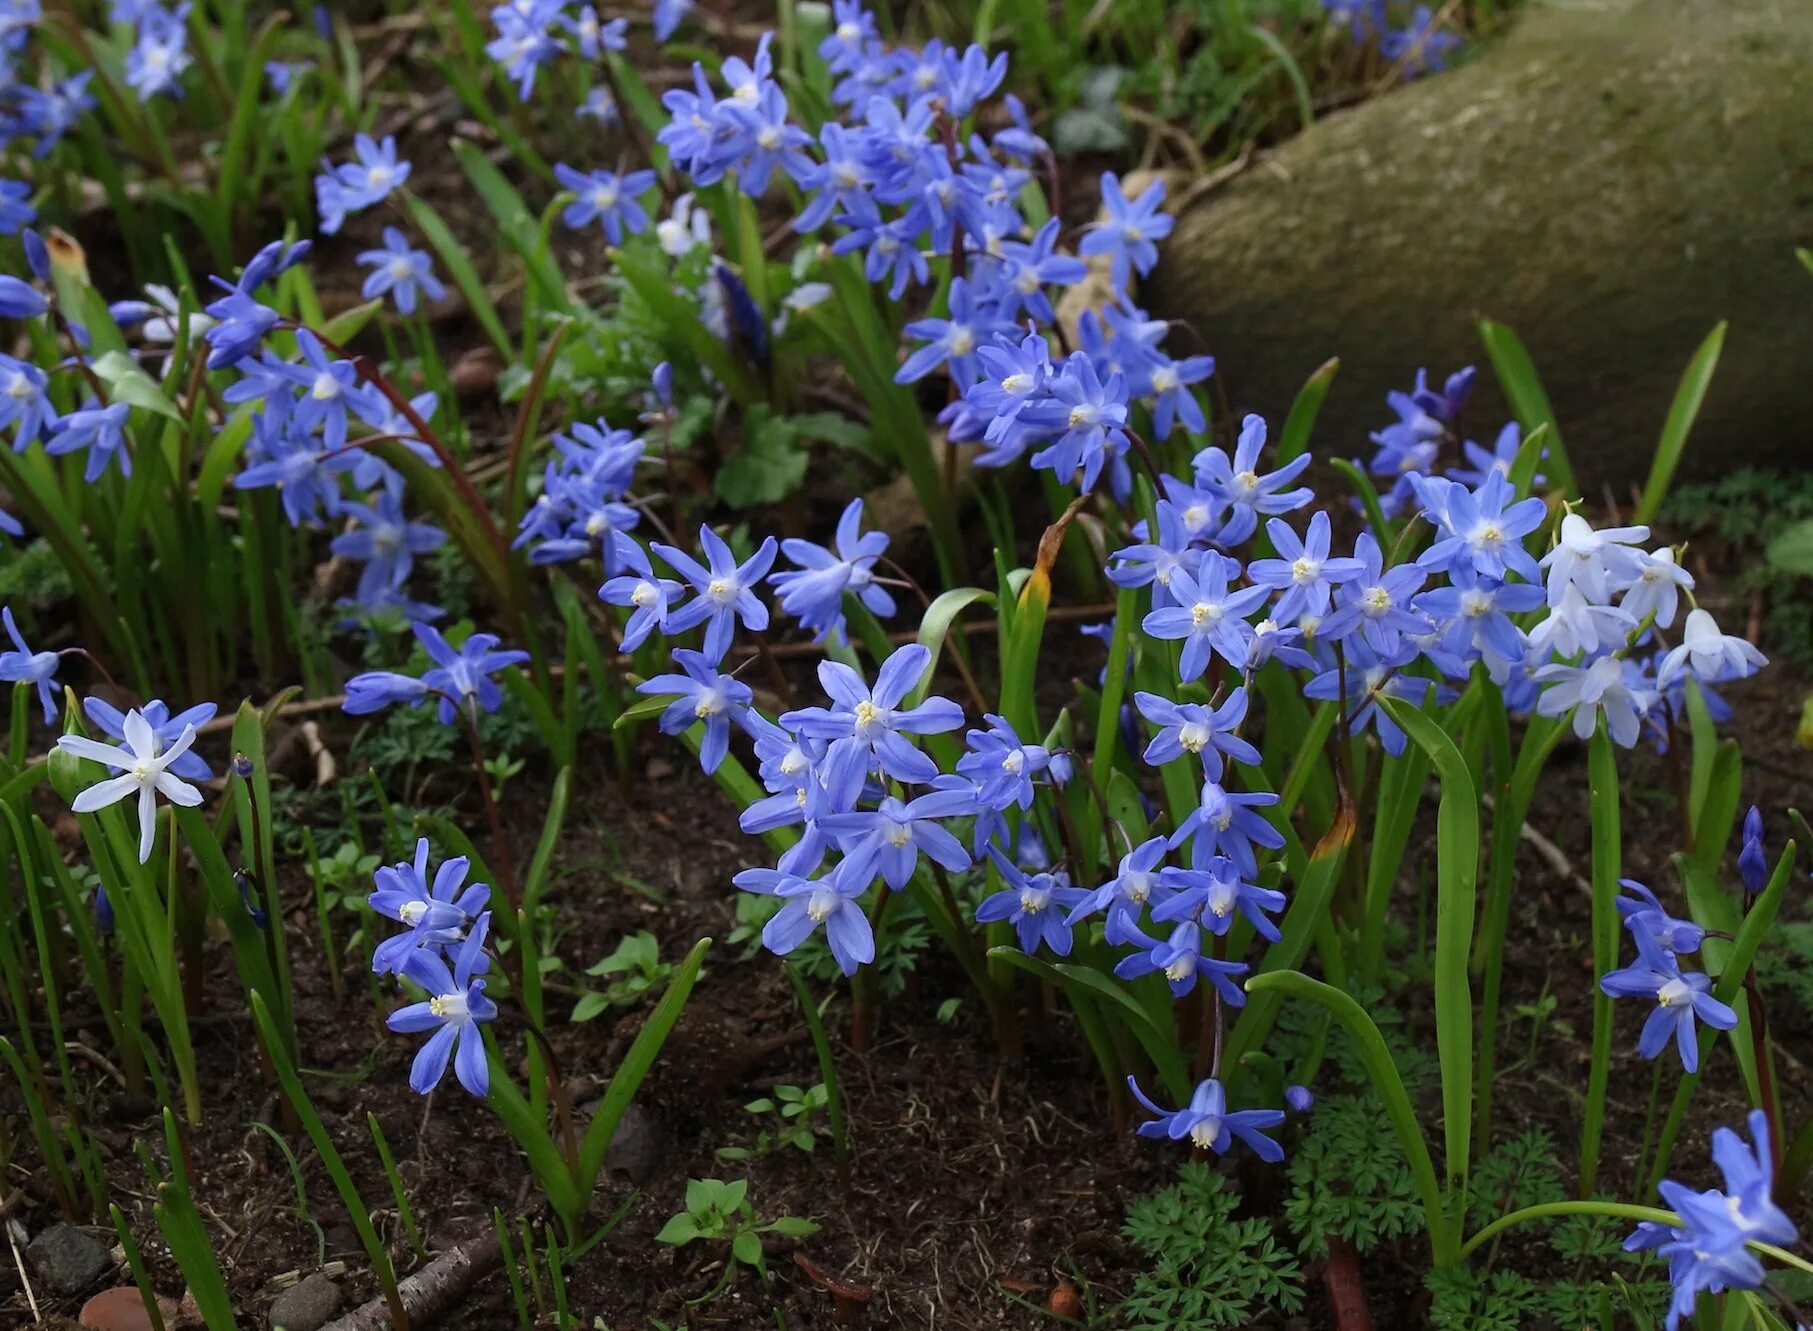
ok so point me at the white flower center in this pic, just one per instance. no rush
(721, 589)
(400, 269)
(1082, 415)
(1306, 569)
(1203, 614)
(1016, 384)
(1675, 993)
(645, 595)
(710, 703)
(326, 387)
(450, 1007)
(1378, 600)
(411, 911)
(1194, 736)
(1182, 968)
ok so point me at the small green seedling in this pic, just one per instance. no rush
(634, 969)
(789, 1120)
(720, 1211)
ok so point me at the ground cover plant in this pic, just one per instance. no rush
(617, 667)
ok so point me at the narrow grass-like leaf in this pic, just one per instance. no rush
(1294, 440)
(1681, 414)
(1523, 389)
(1457, 873)
(356, 1210)
(627, 1080)
(1375, 1056)
(1608, 859)
(464, 275)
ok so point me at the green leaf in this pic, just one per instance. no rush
(1375, 1056)
(792, 1226)
(1681, 413)
(635, 1065)
(1457, 874)
(767, 467)
(1293, 442)
(589, 1006)
(935, 627)
(520, 226)
(1523, 389)
(1792, 550)
(464, 275)
(747, 1248)
(126, 382)
(682, 1229)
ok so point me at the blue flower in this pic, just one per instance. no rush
(953, 340)
(1303, 573)
(1752, 859)
(281, 75)
(1209, 1125)
(725, 592)
(1129, 230)
(669, 14)
(1368, 678)
(1207, 617)
(866, 727)
(1035, 906)
(807, 903)
(1140, 883)
(1208, 732)
(1679, 995)
(1708, 1251)
(51, 113)
(398, 270)
(524, 43)
(20, 300)
(646, 596)
(890, 838)
(1028, 267)
(368, 179)
(1001, 766)
(701, 694)
(1089, 415)
(1240, 484)
(888, 247)
(1228, 823)
(24, 401)
(1215, 893)
(1645, 916)
(1484, 528)
(100, 430)
(852, 29)
(1475, 613)
(1376, 603)
(24, 664)
(330, 387)
(814, 593)
(166, 730)
(305, 475)
(595, 37)
(160, 54)
(1153, 562)
(1168, 384)
(386, 541)
(1180, 959)
(612, 201)
(16, 209)
(436, 916)
(1419, 46)
(456, 1005)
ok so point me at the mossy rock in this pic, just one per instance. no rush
(1610, 180)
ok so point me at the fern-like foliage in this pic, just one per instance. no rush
(1207, 1270)
(1349, 1180)
(1521, 1172)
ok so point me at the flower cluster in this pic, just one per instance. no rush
(1420, 46)
(442, 952)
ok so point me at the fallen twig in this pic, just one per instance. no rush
(433, 1290)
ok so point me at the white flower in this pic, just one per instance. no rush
(1600, 687)
(1598, 562)
(144, 771)
(1573, 626)
(1709, 654)
(1658, 587)
(163, 327)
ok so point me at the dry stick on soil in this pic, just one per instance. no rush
(433, 1290)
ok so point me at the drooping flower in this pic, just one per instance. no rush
(1209, 1124)
(22, 664)
(1708, 654)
